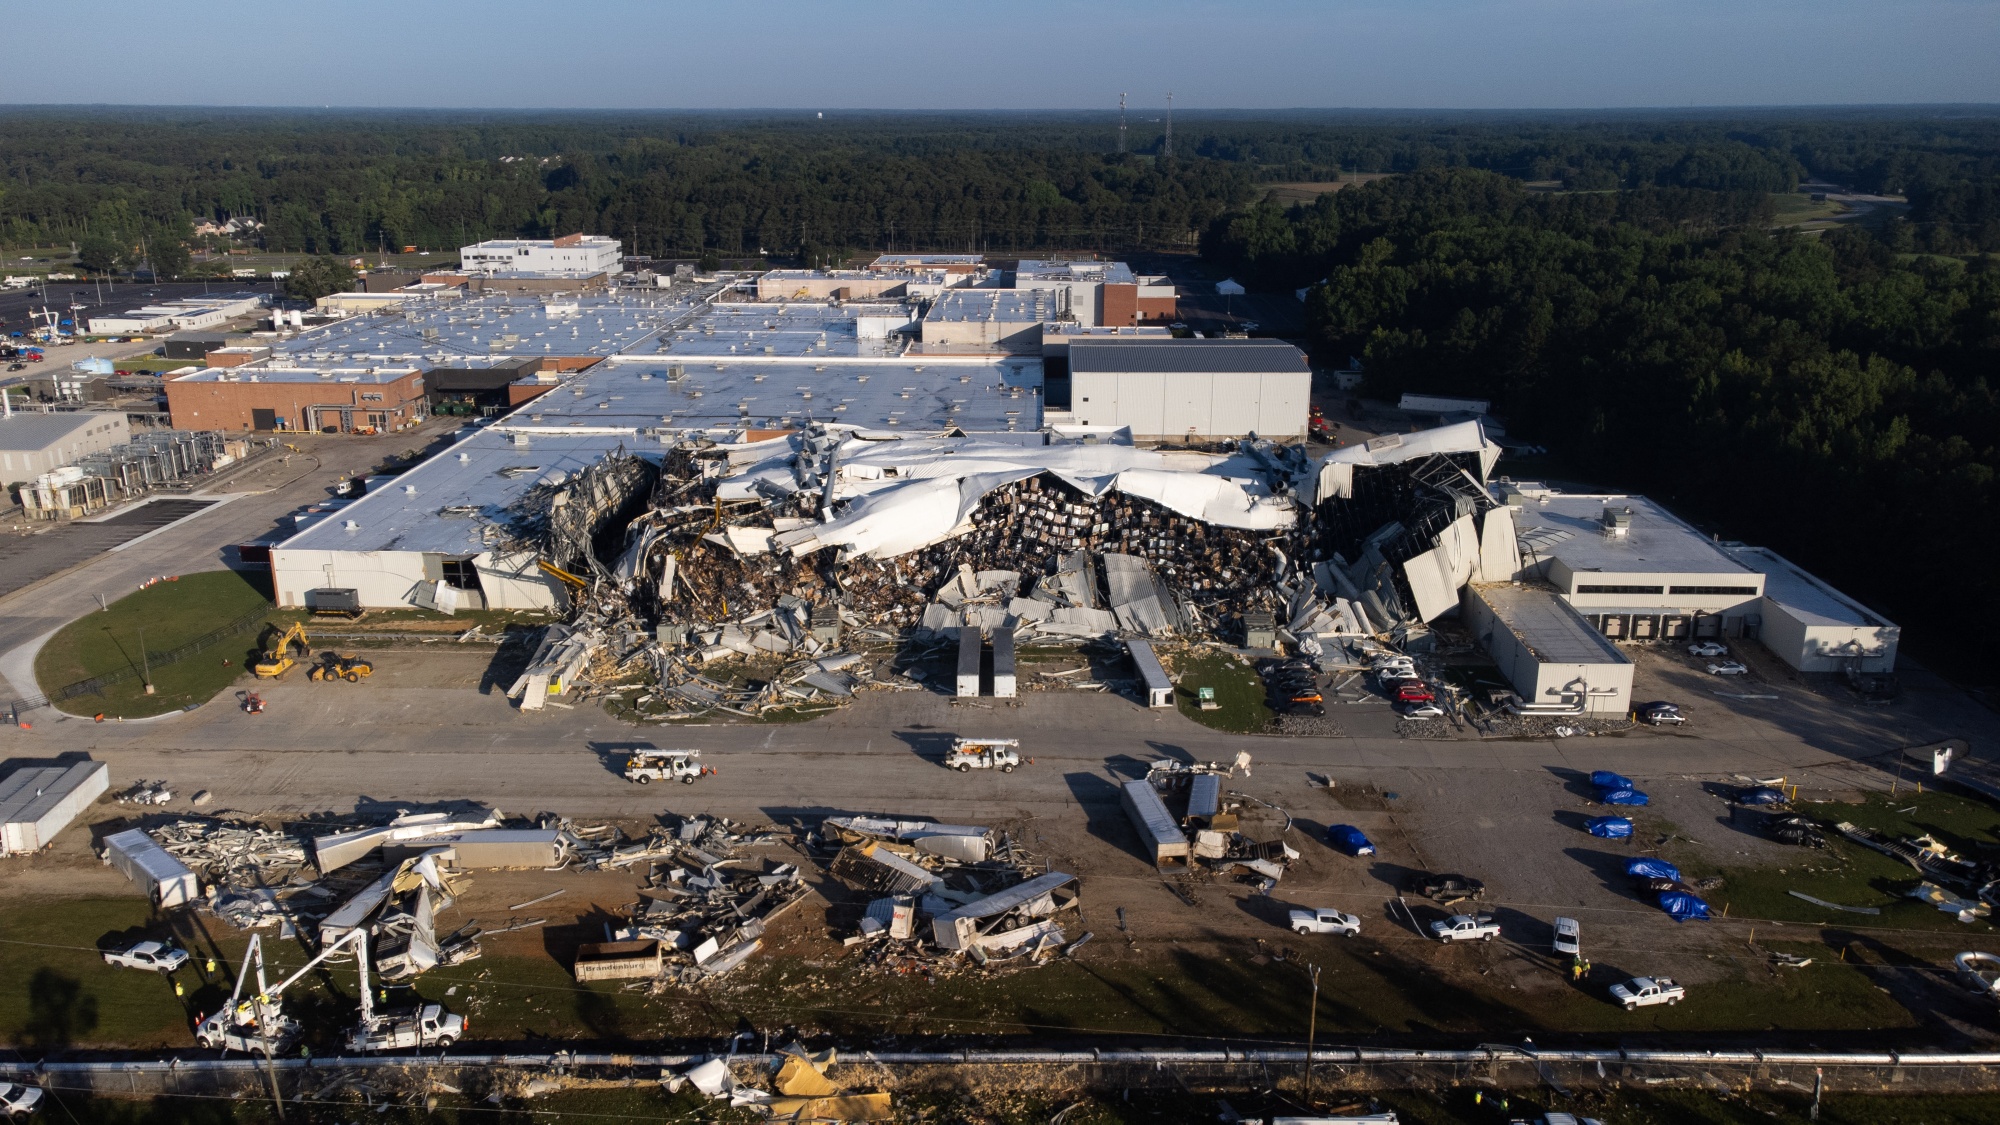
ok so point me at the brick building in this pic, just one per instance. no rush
(337, 399)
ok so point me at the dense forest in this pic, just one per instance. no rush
(1826, 396)
(1614, 282)
(684, 184)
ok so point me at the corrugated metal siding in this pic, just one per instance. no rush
(38, 802)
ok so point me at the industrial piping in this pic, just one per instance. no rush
(567, 1059)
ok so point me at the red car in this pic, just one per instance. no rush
(1412, 691)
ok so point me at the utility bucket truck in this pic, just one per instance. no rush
(400, 1029)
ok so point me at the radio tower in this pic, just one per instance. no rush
(1121, 124)
(1168, 149)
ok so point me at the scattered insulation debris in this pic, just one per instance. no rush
(809, 550)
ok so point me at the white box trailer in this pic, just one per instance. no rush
(1160, 839)
(1005, 685)
(970, 645)
(1152, 676)
(166, 880)
(39, 801)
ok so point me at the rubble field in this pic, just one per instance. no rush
(1199, 952)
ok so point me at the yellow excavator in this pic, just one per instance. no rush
(278, 644)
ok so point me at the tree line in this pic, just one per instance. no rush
(735, 184)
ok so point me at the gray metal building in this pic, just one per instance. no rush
(33, 444)
(1198, 389)
(39, 801)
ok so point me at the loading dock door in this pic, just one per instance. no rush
(263, 419)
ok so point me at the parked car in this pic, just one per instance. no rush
(1444, 888)
(1728, 668)
(1303, 707)
(155, 956)
(18, 1101)
(1708, 648)
(1569, 937)
(1644, 992)
(1660, 713)
(1412, 691)
(1466, 927)
(1325, 922)
(1419, 710)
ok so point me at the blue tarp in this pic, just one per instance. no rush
(1609, 827)
(1762, 795)
(1605, 779)
(1643, 868)
(1683, 906)
(1622, 797)
(1349, 839)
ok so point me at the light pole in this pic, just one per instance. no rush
(146, 666)
(1312, 1028)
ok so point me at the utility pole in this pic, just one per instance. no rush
(1121, 124)
(145, 665)
(1168, 149)
(1312, 1028)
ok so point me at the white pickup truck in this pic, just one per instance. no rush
(1466, 927)
(1641, 992)
(150, 955)
(427, 1026)
(1325, 922)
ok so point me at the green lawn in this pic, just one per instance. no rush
(1852, 875)
(171, 614)
(60, 991)
(1239, 692)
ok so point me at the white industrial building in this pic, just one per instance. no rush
(1636, 572)
(33, 444)
(1812, 626)
(1556, 661)
(572, 255)
(1180, 389)
(183, 315)
(1007, 321)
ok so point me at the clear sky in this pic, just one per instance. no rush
(1012, 54)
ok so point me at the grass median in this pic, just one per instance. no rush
(158, 619)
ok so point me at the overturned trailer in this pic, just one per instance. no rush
(980, 923)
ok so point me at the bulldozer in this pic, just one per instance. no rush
(340, 666)
(278, 645)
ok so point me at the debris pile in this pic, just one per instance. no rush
(804, 1092)
(793, 550)
(704, 904)
(1949, 882)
